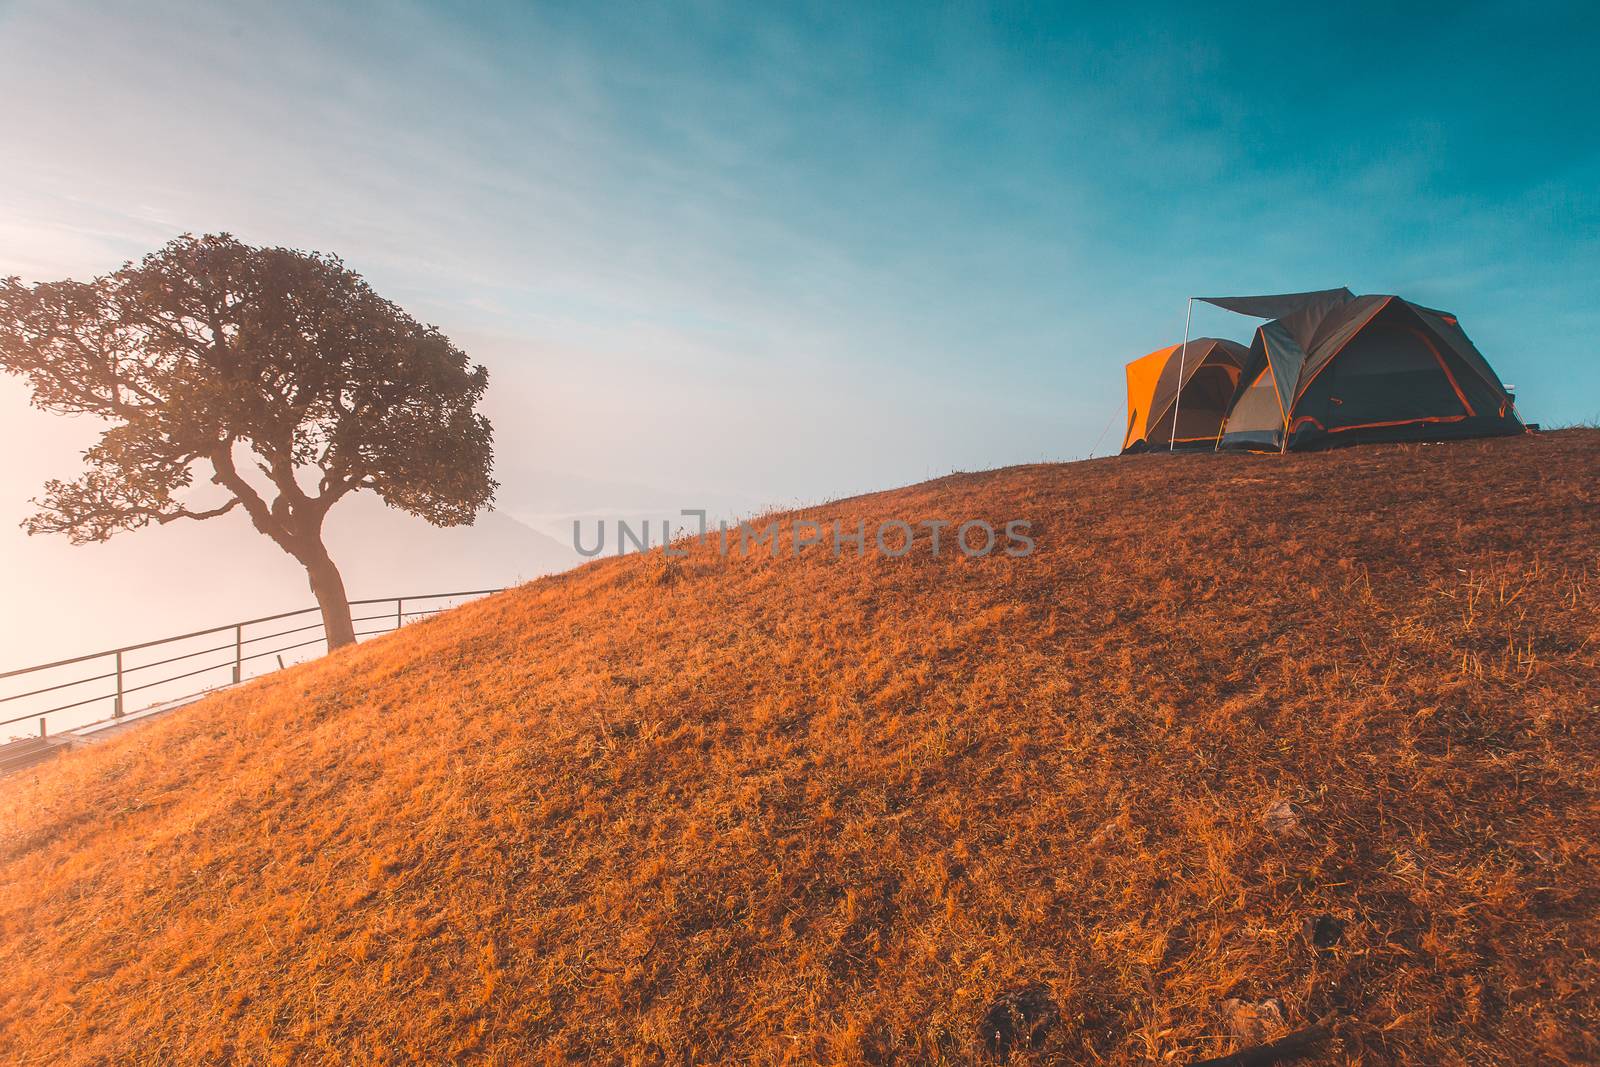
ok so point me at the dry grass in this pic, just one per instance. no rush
(797, 811)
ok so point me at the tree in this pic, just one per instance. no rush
(211, 354)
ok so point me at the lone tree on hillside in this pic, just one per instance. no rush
(211, 354)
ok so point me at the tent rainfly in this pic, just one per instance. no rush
(1332, 368)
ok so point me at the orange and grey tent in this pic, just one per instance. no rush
(1208, 368)
(1334, 368)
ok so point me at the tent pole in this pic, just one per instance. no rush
(1188, 314)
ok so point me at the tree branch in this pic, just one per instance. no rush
(226, 474)
(185, 513)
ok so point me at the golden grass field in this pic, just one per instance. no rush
(757, 811)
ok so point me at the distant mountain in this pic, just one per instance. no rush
(529, 492)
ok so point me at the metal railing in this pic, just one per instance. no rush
(121, 676)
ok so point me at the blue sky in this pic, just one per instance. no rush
(767, 255)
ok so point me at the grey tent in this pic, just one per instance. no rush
(1334, 368)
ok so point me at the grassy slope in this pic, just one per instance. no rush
(761, 811)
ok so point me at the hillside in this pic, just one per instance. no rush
(818, 810)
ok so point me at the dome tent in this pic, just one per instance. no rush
(1333, 368)
(1209, 371)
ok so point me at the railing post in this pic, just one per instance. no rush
(238, 651)
(117, 711)
(41, 726)
(399, 616)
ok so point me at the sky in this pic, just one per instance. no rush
(735, 255)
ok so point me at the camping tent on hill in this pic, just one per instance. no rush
(1333, 368)
(1209, 370)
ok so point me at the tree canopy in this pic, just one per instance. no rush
(210, 353)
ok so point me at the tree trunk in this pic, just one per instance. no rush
(328, 588)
